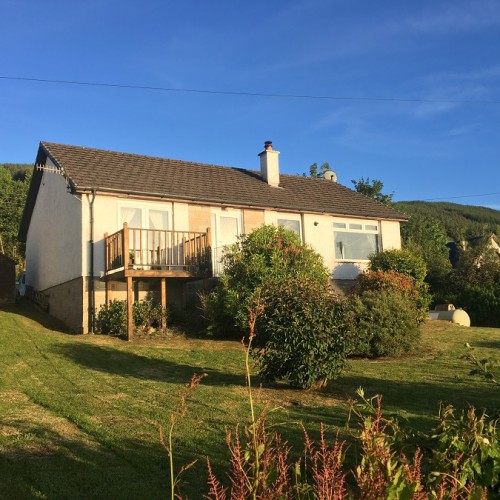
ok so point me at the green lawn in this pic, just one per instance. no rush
(80, 415)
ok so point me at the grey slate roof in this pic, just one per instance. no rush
(174, 179)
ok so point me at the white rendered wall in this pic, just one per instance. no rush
(316, 230)
(391, 235)
(107, 219)
(53, 246)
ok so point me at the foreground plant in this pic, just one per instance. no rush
(460, 460)
(166, 441)
(483, 367)
(260, 462)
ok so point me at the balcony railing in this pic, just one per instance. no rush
(152, 249)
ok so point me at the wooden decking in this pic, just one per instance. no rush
(151, 253)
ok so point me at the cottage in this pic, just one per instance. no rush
(101, 224)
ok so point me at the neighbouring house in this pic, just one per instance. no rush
(489, 242)
(7, 280)
(100, 224)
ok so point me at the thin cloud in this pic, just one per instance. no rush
(456, 17)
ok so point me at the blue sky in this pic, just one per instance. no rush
(438, 53)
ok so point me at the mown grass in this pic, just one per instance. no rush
(80, 415)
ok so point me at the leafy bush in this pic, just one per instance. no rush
(470, 444)
(112, 317)
(402, 261)
(397, 282)
(148, 315)
(299, 329)
(474, 285)
(265, 254)
(219, 314)
(482, 303)
(384, 324)
(301, 334)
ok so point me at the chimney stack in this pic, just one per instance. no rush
(269, 165)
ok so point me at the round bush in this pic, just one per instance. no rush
(301, 334)
(402, 261)
(384, 324)
(397, 282)
(266, 254)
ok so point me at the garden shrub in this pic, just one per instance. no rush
(468, 441)
(300, 330)
(112, 317)
(265, 254)
(384, 324)
(147, 315)
(402, 261)
(482, 303)
(397, 282)
(301, 334)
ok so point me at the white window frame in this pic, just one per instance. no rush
(217, 244)
(145, 209)
(368, 227)
(290, 217)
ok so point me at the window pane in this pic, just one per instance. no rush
(355, 226)
(292, 225)
(132, 216)
(371, 228)
(354, 246)
(339, 225)
(229, 229)
(158, 220)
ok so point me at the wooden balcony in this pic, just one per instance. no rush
(133, 252)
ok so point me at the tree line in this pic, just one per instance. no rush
(14, 184)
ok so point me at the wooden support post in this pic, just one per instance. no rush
(209, 237)
(208, 253)
(125, 246)
(107, 267)
(130, 302)
(163, 287)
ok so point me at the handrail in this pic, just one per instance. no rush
(138, 248)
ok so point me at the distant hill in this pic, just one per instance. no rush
(17, 170)
(460, 221)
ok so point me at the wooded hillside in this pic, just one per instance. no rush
(459, 221)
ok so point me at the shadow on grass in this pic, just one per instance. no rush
(490, 344)
(417, 398)
(30, 310)
(128, 364)
(48, 464)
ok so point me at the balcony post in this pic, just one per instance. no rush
(130, 302)
(106, 253)
(209, 238)
(125, 247)
(163, 287)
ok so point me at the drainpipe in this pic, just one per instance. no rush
(91, 290)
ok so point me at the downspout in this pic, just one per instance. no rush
(91, 289)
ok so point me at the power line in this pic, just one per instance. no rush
(463, 196)
(253, 94)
